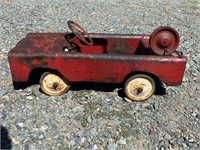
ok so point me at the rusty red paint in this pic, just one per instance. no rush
(110, 59)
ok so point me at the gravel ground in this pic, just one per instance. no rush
(89, 119)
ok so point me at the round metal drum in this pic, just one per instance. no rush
(164, 40)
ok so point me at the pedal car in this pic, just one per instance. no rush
(135, 60)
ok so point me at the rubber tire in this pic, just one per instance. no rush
(145, 77)
(46, 91)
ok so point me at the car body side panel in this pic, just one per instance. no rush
(109, 68)
(45, 50)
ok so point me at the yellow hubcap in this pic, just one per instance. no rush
(139, 89)
(52, 84)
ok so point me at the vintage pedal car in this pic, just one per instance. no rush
(136, 60)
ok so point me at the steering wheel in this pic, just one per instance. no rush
(80, 32)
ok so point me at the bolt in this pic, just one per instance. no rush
(139, 90)
(165, 41)
(55, 85)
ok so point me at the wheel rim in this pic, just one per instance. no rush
(52, 84)
(139, 89)
(164, 40)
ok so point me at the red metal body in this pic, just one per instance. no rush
(110, 59)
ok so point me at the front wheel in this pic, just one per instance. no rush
(53, 85)
(139, 87)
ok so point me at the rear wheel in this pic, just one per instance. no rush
(139, 87)
(53, 84)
